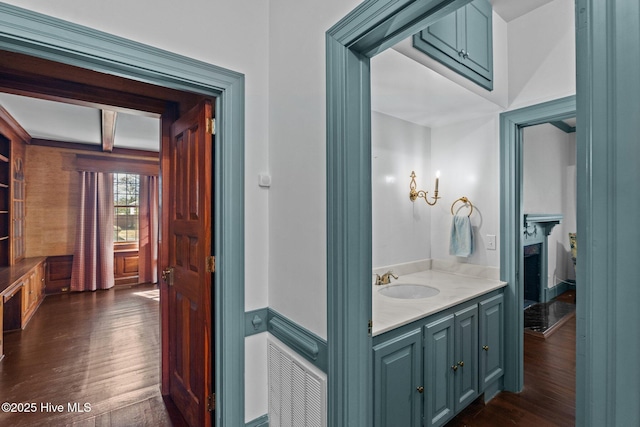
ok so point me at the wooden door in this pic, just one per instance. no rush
(188, 276)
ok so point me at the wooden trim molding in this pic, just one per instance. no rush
(108, 125)
(370, 28)
(255, 321)
(11, 128)
(94, 148)
(512, 223)
(298, 338)
(262, 421)
(117, 164)
(305, 343)
(29, 33)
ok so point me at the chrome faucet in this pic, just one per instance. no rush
(385, 279)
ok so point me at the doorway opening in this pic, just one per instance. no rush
(40, 38)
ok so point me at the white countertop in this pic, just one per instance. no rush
(390, 313)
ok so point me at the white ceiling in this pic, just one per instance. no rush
(512, 9)
(59, 121)
(401, 87)
(404, 88)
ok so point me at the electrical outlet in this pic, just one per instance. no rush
(491, 242)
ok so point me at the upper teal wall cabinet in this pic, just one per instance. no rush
(462, 41)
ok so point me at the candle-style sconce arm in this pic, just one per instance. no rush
(414, 194)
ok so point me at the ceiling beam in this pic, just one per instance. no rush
(108, 129)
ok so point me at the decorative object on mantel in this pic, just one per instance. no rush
(414, 194)
(461, 242)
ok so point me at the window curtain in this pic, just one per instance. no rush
(93, 255)
(148, 225)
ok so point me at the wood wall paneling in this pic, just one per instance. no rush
(58, 275)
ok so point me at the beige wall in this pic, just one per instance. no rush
(52, 189)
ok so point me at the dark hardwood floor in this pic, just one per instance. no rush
(100, 349)
(549, 394)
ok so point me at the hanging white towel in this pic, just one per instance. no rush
(461, 243)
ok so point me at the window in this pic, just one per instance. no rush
(126, 204)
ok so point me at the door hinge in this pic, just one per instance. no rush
(211, 402)
(211, 264)
(211, 126)
(370, 327)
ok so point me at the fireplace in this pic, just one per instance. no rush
(537, 228)
(532, 273)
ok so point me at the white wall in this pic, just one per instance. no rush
(401, 228)
(549, 187)
(233, 34)
(467, 154)
(542, 54)
(297, 152)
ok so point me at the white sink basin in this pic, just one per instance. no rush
(409, 291)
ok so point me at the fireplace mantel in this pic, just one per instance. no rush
(545, 221)
(537, 228)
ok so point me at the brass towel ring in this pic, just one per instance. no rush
(465, 201)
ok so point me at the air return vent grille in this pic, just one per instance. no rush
(297, 390)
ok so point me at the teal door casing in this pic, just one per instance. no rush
(38, 35)
(369, 29)
(512, 224)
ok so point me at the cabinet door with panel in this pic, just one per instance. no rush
(491, 340)
(439, 369)
(466, 356)
(463, 41)
(397, 381)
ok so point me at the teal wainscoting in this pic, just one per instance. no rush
(262, 421)
(301, 340)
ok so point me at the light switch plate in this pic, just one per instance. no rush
(491, 242)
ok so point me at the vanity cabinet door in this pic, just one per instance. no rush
(439, 370)
(466, 353)
(397, 381)
(491, 340)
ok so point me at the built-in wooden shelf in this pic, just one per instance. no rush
(4, 237)
(4, 159)
(3, 185)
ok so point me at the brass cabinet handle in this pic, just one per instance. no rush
(461, 363)
(454, 367)
(420, 389)
(485, 347)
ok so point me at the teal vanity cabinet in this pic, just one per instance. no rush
(427, 371)
(439, 367)
(466, 356)
(491, 344)
(398, 380)
(450, 364)
(463, 41)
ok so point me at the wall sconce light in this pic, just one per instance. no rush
(414, 194)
